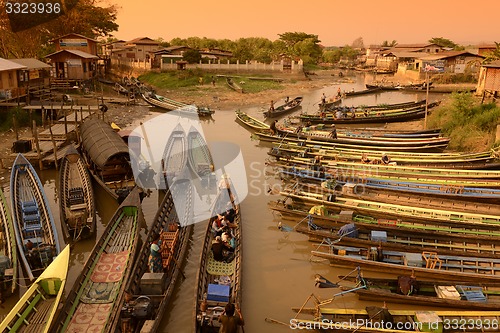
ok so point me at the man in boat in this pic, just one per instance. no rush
(323, 99)
(365, 159)
(385, 159)
(339, 93)
(222, 251)
(333, 133)
(155, 261)
(229, 321)
(272, 127)
(271, 108)
(287, 99)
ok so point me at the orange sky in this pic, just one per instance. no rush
(335, 22)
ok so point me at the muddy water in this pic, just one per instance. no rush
(277, 271)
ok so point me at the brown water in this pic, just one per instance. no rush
(277, 271)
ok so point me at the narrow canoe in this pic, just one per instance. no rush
(170, 105)
(175, 155)
(290, 106)
(381, 320)
(363, 92)
(36, 233)
(448, 294)
(211, 273)
(199, 156)
(8, 255)
(101, 281)
(250, 121)
(427, 265)
(76, 197)
(174, 225)
(36, 309)
(233, 85)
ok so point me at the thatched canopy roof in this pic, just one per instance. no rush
(101, 142)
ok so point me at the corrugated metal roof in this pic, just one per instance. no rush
(78, 53)
(7, 65)
(493, 64)
(401, 54)
(101, 142)
(449, 54)
(30, 63)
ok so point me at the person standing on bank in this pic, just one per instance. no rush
(229, 321)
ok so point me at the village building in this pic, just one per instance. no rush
(34, 78)
(489, 79)
(9, 84)
(138, 49)
(457, 62)
(75, 59)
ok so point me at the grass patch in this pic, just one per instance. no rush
(255, 86)
(470, 125)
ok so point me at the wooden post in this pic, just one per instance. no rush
(51, 116)
(30, 117)
(65, 123)
(14, 124)
(81, 114)
(43, 117)
(37, 145)
(55, 146)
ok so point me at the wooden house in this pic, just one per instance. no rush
(9, 85)
(484, 49)
(34, 78)
(422, 47)
(453, 61)
(73, 65)
(75, 42)
(489, 79)
(140, 49)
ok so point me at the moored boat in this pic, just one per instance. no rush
(250, 121)
(289, 106)
(152, 291)
(36, 233)
(199, 156)
(107, 157)
(8, 251)
(233, 85)
(170, 105)
(218, 282)
(92, 302)
(175, 155)
(36, 309)
(76, 197)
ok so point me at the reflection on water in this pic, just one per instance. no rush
(277, 271)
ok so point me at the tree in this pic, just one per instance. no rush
(308, 50)
(87, 18)
(292, 38)
(358, 43)
(163, 43)
(443, 42)
(386, 43)
(192, 56)
(493, 55)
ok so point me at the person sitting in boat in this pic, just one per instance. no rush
(221, 251)
(365, 112)
(228, 239)
(230, 322)
(218, 225)
(298, 129)
(338, 114)
(333, 133)
(273, 128)
(155, 261)
(365, 159)
(385, 159)
(230, 213)
(353, 112)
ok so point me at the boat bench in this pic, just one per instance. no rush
(35, 240)
(471, 293)
(76, 196)
(31, 217)
(468, 268)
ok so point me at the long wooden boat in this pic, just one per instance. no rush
(362, 92)
(383, 118)
(199, 156)
(375, 184)
(218, 282)
(170, 105)
(107, 157)
(35, 310)
(8, 250)
(331, 103)
(427, 265)
(264, 137)
(36, 233)
(347, 112)
(289, 106)
(92, 302)
(380, 107)
(76, 197)
(175, 155)
(448, 294)
(381, 320)
(331, 152)
(376, 141)
(326, 217)
(233, 85)
(397, 240)
(250, 121)
(384, 210)
(153, 291)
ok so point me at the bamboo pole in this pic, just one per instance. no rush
(43, 117)
(37, 145)
(55, 147)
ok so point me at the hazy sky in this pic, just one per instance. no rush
(335, 22)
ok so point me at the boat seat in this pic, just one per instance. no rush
(471, 293)
(31, 217)
(35, 240)
(76, 196)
